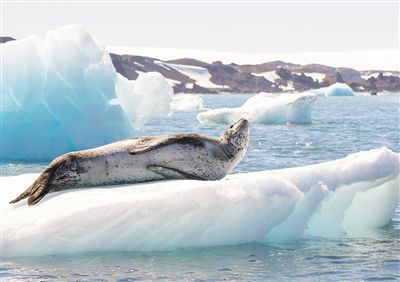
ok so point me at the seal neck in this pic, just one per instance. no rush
(229, 149)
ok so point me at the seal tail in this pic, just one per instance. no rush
(37, 190)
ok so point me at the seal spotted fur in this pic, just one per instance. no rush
(179, 156)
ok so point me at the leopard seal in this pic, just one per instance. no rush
(179, 156)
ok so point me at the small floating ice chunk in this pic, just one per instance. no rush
(337, 89)
(187, 103)
(265, 108)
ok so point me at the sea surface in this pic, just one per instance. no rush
(340, 126)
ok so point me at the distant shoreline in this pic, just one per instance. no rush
(363, 60)
(188, 75)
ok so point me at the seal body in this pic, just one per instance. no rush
(125, 162)
(179, 156)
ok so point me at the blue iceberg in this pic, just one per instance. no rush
(62, 93)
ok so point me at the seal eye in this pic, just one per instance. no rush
(231, 126)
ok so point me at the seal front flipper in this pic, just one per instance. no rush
(146, 144)
(37, 190)
(172, 173)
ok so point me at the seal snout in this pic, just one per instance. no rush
(241, 125)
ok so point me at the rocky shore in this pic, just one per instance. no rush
(194, 76)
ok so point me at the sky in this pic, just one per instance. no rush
(232, 27)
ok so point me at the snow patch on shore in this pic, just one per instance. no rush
(199, 74)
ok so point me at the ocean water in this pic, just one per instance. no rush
(340, 126)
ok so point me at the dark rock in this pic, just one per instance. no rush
(4, 39)
(339, 77)
(348, 74)
(303, 82)
(284, 73)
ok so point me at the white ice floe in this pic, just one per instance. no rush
(56, 94)
(265, 108)
(352, 196)
(199, 74)
(187, 103)
(337, 89)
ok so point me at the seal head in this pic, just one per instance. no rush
(236, 138)
(237, 134)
